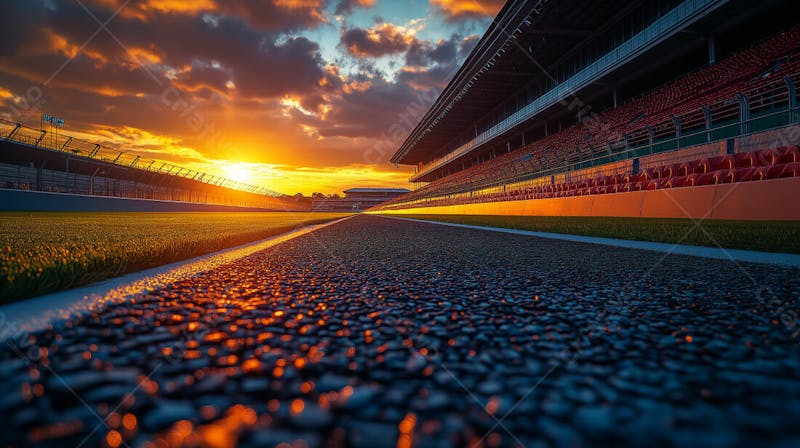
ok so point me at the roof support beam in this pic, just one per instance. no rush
(559, 32)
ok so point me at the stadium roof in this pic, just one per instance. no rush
(524, 42)
(377, 190)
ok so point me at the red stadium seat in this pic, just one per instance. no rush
(694, 180)
(746, 159)
(656, 172)
(675, 182)
(703, 166)
(769, 157)
(745, 174)
(774, 172)
(651, 184)
(767, 172)
(724, 176)
(790, 169)
(669, 171)
(687, 168)
(646, 174)
(725, 162)
(790, 155)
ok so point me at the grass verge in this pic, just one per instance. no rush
(768, 236)
(46, 252)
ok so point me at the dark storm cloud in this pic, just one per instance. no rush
(162, 48)
(19, 23)
(467, 44)
(393, 107)
(277, 16)
(422, 53)
(345, 7)
(380, 40)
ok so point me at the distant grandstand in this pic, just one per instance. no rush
(357, 199)
(35, 160)
(618, 108)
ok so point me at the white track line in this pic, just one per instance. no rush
(39, 312)
(747, 256)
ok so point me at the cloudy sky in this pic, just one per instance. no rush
(294, 95)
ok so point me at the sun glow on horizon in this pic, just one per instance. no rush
(239, 172)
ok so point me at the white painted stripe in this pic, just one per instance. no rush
(39, 312)
(748, 256)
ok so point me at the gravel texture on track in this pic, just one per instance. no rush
(377, 332)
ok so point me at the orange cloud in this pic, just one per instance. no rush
(144, 10)
(356, 86)
(179, 6)
(380, 40)
(463, 9)
(60, 44)
(141, 55)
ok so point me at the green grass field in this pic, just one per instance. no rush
(769, 236)
(45, 252)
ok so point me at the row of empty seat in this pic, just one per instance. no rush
(751, 71)
(742, 167)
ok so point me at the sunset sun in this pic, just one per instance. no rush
(239, 172)
(399, 223)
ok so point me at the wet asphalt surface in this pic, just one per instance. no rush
(376, 332)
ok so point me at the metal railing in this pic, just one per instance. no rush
(661, 28)
(724, 115)
(39, 138)
(781, 118)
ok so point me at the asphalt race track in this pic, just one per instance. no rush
(377, 332)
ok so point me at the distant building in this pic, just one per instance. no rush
(358, 199)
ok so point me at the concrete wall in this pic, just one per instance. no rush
(775, 199)
(22, 200)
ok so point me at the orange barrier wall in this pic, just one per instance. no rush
(775, 199)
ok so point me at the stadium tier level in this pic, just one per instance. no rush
(617, 108)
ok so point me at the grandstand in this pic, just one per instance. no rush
(617, 108)
(35, 160)
(357, 199)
